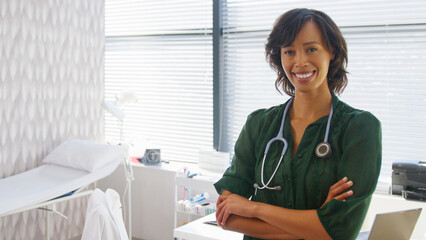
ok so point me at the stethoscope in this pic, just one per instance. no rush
(322, 150)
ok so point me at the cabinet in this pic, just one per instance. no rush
(186, 188)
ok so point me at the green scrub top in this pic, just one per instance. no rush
(355, 139)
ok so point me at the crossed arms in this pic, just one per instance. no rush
(266, 221)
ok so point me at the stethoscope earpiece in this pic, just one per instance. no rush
(323, 150)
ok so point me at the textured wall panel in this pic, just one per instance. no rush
(51, 89)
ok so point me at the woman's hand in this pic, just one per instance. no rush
(337, 191)
(220, 199)
(228, 204)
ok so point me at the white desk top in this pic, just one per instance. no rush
(198, 230)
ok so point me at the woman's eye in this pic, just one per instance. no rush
(289, 52)
(312, 50)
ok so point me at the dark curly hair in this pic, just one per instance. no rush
(284, 32)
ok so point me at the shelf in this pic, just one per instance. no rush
(190, 213)
(196, 183)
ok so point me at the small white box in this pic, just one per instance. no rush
(213, 160)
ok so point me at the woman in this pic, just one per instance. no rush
(314, 191)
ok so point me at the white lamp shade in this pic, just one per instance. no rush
(115, 110)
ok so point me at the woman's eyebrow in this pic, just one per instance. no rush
(307, 43)
(313, 42)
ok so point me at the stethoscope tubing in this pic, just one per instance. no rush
(280, 137)
(272, 176)
(327, 129)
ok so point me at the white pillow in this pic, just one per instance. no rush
(84, 155)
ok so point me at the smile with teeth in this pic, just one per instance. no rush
(304, 75)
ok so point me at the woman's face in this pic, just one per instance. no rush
(306, 60)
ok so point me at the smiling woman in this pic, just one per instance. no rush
(318, 42)
(307, 195)
(306, 60)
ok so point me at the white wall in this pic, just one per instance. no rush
(51, 89)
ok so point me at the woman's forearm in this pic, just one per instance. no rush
(255, 228)
(303, 224)
(300, 224)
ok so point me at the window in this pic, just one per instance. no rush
(165, 54)
(387, 58)
(161, 50)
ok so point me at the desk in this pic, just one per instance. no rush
(198, 230)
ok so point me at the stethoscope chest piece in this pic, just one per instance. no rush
(323, 150)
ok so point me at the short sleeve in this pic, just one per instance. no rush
(239, 177)
(360, 162)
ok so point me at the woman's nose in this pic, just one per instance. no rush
(300, 59)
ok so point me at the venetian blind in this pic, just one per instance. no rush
(387, 65)
(162, 51)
